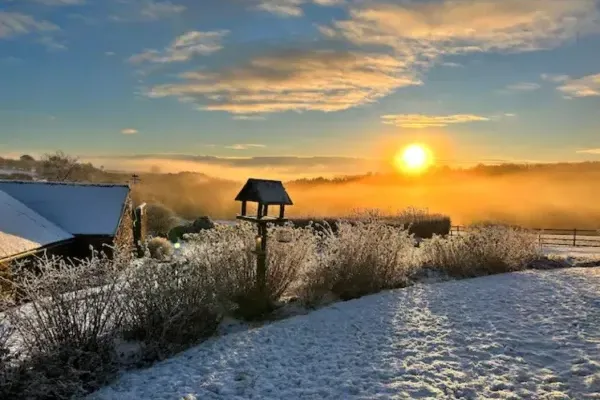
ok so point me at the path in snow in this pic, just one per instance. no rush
(525, 335)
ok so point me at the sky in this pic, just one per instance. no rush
(302, 86)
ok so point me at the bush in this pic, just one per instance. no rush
(160, 219)
(67, 334)
(482, 250)
(229, 253)
(362, 258)
(6, 358)
(169, 306)
(160, 248)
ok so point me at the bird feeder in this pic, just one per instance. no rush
(265, 193)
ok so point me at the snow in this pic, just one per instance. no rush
(77, 208)
(23, 230)
(532, 334)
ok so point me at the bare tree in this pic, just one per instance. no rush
(59, 166)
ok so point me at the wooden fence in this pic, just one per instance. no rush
(556, 237)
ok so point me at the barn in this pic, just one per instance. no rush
(63, 219)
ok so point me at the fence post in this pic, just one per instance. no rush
(575, 237)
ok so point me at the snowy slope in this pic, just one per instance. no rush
(23, 230)
(77, 208)
(525, 335)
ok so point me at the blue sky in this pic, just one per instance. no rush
(149, 82)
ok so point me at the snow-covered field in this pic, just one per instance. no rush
(534, 334)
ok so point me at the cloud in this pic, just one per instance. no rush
(60, 2)
(452, 65)
(299, 80)
(148, 10)
(249, 117)
(184, 48)
(428, 30)
(110, 53)
(292, 8)
(129, 131)
(523, 87)
(52, 44)
(589, 151)
(245, 146)
(15, 24)
(588, 86)
(555, 78)
(420, 121)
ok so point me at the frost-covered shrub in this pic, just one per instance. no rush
(160, 248)
(169, 306)
(359, 259)
(229, 252)
(482, 250)
(66, 332)
(6, 366)
(160, 219)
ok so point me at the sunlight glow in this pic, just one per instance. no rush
(414, 158)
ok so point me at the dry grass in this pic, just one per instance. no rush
(160, 248)
(169, 306)
(483, 250)
(361, 258)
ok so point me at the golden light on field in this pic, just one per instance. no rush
(414, 158)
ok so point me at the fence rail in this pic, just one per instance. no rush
(556, 237)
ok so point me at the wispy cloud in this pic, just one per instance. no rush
(292, 81)
(427, 30)
(16, 24)
(129, 131)
(589, 151)
(522, 87)
(245, 146)
(52, 44)
(452, 65)
(147, 10)
(110, 53)
(59, 2)
(421, 121)
(292, 8)
(184, 48)
(555, 78)
(587, 86)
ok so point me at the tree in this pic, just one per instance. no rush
(58, 166)
(27, 158)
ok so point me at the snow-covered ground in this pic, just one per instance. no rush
(533, 334)
(573, 253)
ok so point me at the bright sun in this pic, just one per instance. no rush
(414, 158)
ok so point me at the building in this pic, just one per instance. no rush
(63, 219)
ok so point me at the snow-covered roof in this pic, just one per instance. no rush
(80, 209)
(23, 230)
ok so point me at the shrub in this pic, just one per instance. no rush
(6, 358)
(67, 334)
(160, 248)
(482, 250)
(229, 253)
(362, 258)
(160, 219)
(169, 306)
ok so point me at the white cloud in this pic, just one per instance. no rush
(588, 86)
(428, 30)
(52, 44)
(59, 2)
(421, 121)
(184, 48)
(153, 10)
(15, 24)
(245, 146)
(292, 81)
(555, 78)
(110, 53)
(523, 87)
(589, 151)
(452, 65)
(249, 118)
(129, 131)
(292, 8)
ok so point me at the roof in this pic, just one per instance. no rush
(265, 192)
(23, 230)
(80, 209)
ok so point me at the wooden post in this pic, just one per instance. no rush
(260, 211)
(575, 237)
(281, 211)
(266, 210)
(261, 260)
(244, 207)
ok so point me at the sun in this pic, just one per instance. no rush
(414, 158)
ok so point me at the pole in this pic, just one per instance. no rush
(575, 237)
(261, 260)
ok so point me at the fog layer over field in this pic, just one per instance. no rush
(551, 196)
